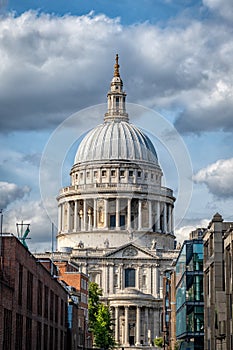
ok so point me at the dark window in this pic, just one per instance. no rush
(20, 286)
(139, 173)
(117, 102)
(56, 339)
(51, 305)
(38, 336)
(104, 173)
(45, 337)
(113, 172)
(19, 332)
(51, 337)
(130, 172)
(39, 298)
(29, 290)
(129, 278)
(46, 300)
(122, 173)
(28, 333)
(62, 312)
(61, 339)
(112, 221)
(7, 329)
(56, 308)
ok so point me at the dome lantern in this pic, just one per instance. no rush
(116, 98)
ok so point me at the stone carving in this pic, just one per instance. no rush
(130, 251)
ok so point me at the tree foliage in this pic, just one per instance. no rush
(159, 342)
(100, 322)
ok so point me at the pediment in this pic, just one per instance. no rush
(130, 251)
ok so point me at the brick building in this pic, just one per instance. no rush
(76, 284)
(33, 305)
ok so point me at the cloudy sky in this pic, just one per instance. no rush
(56, 58)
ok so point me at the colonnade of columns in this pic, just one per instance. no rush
(135, 325)
(91, 216)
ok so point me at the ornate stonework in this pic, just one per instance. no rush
(116, 220)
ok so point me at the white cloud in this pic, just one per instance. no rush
(53, 66)
(182, 233)
(222, 7)
(33, 213)
(218, 178)
(10, 192)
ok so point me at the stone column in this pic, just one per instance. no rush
(149, 289)
(126, 325)
(146, 326)
(89, 213)
(137, 277)
(139, 214)
(105, 213)
(138, 326)
(117, 324)
(84, 215)
(111, 278)
(150, 214)
(155, 281)
(157, 224)
(169, 218)
(68, 216)
(60, 218)
(95, 214)
(120, 277)
(172, 219)
(75, 215)
(117, 213)
(129, 214)
(165, 217)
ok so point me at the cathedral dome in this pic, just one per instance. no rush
(116, 140)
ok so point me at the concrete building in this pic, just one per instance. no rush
(218, 284)
(33, 305)
(116, 220)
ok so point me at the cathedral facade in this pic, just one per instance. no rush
(116, 220)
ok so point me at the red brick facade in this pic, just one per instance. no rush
(33, 305)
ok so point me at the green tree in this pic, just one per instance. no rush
(159, 342)
(100, 322)
(94, 294)
(103, 333)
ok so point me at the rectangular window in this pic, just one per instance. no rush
(38, 336)
(139, 173)
(28, 333)
(88, 174)
(129, 278)
(104, 173)
(56, 308)
(45, 337)
(29, 290)
(95, 173)
(122, 173)
(20, 285)
(7, 329)
(46, 301)
(39, 298)
(50, 337)
(19, 332)
(130, 173)
(51, 305)
(62, 312)
(113, 172)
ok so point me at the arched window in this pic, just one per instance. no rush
(129, 278)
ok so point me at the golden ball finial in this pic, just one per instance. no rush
(116, 67)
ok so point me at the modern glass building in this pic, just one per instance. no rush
(189, 295)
